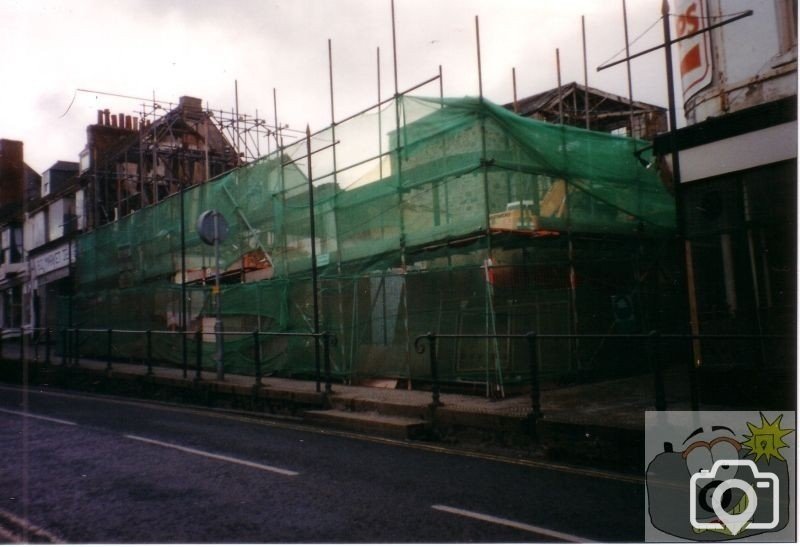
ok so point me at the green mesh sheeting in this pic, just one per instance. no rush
(445, 215)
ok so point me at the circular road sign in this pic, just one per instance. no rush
(212, 227)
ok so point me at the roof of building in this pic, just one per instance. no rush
(61, 165)
(608, 102)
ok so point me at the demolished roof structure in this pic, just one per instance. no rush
(607, 112)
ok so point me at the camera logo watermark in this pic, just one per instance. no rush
(717, 476)
(733, 521)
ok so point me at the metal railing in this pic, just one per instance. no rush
(71, 344)
(70, 353)
(652, 339)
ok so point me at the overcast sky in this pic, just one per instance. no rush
(172, 48)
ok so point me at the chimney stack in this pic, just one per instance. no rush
(191, 105)
(99, 117)
(12, 177)
(106, 117)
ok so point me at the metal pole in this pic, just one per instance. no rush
(399, 178)
(628, 64)
(281, 175)
(258, 136)
(514, 87)
(183, 277)
(480, 71)
(155, 156)
(394, 52)
(275, 112)
(335, 175)
(109, 348)
(487, 210)
(560, 100)
(220, 354)
(238, 132)
(313, 235)
(47, 346)
(694, 395)
(676, 172)
(206, 159)
(64, 345)
(533, 357)
(71, 277)
(380, 118)
(654, 355)
(333, 120)
(198, 358)
(441, 85)
(676, 177)
(330, 82)
(185, 360)
(76, 347)
(149, 356)
(585, 72)
(326, 346)
(434, 370)
(257, 357)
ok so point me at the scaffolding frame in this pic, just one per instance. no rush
(246, 135)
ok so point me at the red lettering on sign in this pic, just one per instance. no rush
(694, 47)
(688, 22)
(691, 60)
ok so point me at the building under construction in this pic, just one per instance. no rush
(445, 215)
(131, 162)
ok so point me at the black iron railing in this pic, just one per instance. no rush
(654, 356)
(71, 340)
(71, 348)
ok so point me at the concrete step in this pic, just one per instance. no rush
(361, 404)
(395, 427)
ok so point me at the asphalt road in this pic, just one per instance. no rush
(92, 469)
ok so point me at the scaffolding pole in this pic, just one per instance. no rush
(514, 88)
(399, 153)
(313, 236)
(380, 116)
(628, 66)
(336, 191)
(585, 73)
(560, 98)
(490, 312)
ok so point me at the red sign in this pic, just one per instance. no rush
(695, 52)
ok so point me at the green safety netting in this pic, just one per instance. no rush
(445, 215)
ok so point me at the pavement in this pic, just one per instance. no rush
(599, 424)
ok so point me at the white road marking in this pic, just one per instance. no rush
(38, 417)
(215, 456)
(10, 522)
(552, 534)
(220, 414)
